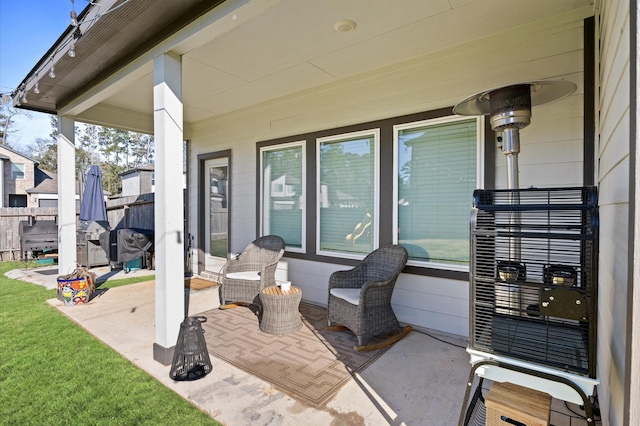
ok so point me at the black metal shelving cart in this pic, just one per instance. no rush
(533, 286)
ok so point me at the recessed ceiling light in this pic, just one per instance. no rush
(345, 26)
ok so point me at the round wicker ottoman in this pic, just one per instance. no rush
(280, 314)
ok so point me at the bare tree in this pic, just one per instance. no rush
(45, 151)
(7, 124)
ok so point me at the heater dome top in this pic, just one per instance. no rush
(542, 92)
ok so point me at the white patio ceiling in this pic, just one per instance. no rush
(266, 49)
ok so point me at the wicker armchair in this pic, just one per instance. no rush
(360, 298)
(245, 276)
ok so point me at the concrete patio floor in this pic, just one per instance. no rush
(418, 381)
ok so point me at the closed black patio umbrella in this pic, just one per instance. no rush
(93, 207)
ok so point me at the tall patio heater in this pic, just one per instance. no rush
(533, 264)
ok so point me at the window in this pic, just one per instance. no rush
(17, 200)
(17, 171)
(436, 174)
(282, 184)
(277, 188)
(347, 188)
(407, 180)
(48, 202)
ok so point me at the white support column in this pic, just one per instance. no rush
(66, 196)
(169, 215)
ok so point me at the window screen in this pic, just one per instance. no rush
(283, 184)
(347, 193)
(437, 168)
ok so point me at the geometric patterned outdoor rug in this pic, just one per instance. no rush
(310, 365)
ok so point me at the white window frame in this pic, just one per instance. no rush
(375, 132)
(480, 162)
(279, 147)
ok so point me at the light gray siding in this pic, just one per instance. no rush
(551, 145)
(613, 180)
(131, 184)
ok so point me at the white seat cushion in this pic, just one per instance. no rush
(246, 275)
(351, 295)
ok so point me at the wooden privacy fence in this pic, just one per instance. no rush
(135, 211)
(10, 218)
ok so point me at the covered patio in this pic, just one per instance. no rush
(302, 117)
(419, 380)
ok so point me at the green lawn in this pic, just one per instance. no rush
(126, 281)
(52, 372)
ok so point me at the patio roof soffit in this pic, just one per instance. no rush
(113, 38)
(237, 54)
(228, 15)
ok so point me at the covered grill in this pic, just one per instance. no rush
(88, 250)
(37, 237)
(128, 244)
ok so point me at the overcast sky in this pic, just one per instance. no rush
(28, 28)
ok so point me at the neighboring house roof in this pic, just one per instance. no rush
(13, 151)
(218, 174)
(149, 167)
(46, 183)
(291, 180)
